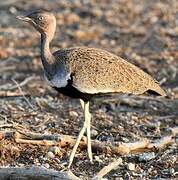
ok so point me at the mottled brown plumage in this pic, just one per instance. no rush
(98, 71)
(82, 72)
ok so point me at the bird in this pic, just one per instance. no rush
(84, 72)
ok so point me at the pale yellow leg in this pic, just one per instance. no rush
(88, 117)
(86, 125)
(82, 103)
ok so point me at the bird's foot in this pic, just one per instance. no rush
(91, 159)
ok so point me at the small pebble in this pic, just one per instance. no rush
(94, 132)
(119, 160)
(36, 161)
(73, 114)
(134, 118)
(20, 165)
(38, 164)
(71, 18)
(56, 150)
(97, 12)
(120, 178)
(13, 10)
(147, 157)
(46, 165)
(112, 42)
(98, 159)
(126, 140)
(131, 166)
(171, 170)
(50, 155)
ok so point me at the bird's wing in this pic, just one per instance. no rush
(98, 71)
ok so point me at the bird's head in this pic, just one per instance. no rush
(42, 21)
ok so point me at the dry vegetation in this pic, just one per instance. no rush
(144, 32)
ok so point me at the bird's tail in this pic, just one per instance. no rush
(159, 90)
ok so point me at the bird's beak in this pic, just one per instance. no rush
(24, 18)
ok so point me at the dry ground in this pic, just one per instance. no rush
(144, 32)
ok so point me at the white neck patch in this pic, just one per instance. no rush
(58, 80)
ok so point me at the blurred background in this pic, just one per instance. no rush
(143, 32)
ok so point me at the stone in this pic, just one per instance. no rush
(131, 166)
(56, 150)
(146, 156)
(50, 155)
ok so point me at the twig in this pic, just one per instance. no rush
(9, 87)
(7, 68)
(121, 148)
(35, 172)
(37, 142)
(23, 83)
(144, 145)
(45, 121)
(160, 144)
(132, 100)
(105, 170)
(14, 126)
(72, 176)
(41, 139)
(23, 94)
(118, 97)
(134, 147)
(165, 117)
(6, 125)
(8, 94)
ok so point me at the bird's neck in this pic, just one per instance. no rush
(46, 56)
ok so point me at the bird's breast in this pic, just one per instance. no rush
(58, 80)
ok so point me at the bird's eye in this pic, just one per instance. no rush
(40, 18)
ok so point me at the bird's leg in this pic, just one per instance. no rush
(85, 107)
(79, 137)
(82, 103)
(87, 115)
(88, 119)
